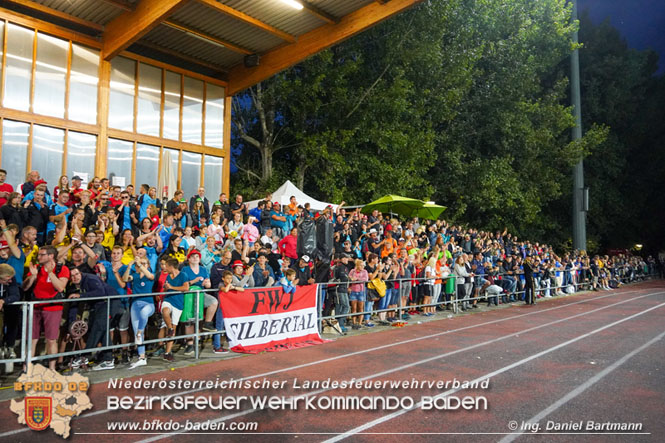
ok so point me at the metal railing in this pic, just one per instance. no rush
(28, 310)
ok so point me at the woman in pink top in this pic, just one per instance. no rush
(215, 230)
(357, 294)
(250, 232)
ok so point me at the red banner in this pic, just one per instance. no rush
(267, 319)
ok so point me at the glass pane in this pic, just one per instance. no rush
(50, 74)
(81, 149)
(171, 105)
(191, 173)
(147, 164)
(121, 98)
(214, 116)
(213, 177)
(2, 36)
(168, 179)
(19, 67)
(83, 85)
(192, 111)
(120, 160)
(150, 99)
(47, 149)
(15, 151)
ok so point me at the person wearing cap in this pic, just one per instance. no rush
(277, 220)
(242, 277)
(373, 242)
(304, 272)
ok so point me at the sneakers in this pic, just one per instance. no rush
(189, 350)
(369, 325)
(104, 366)
(168, 357)
(220, 350)
(138, 363)
(159, 352)
(208, 326)
(355, 326)
(78, 362)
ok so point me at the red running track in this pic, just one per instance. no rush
(592, 357)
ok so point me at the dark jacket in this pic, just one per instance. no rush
(93, 286)
(216, 273)
(36, 217)
(9, 292)
(341, 273)
(11, 215)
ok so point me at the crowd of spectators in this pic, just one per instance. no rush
(94, 241)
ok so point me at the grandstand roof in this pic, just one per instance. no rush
(213, 37)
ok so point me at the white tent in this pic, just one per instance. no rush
(283, 195)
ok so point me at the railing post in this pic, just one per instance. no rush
(28, 353)
(319, 307)
(108, 320)
(196, 325)
(455, 296)
(24, 325)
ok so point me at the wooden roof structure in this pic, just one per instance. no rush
(213, 37)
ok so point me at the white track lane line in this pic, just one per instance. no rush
(389, 417)
(583, 387)
(427, 360)
(378, 348)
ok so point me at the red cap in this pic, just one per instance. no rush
(194, 252)
(237, 263)
(40, 182)
(276, 203)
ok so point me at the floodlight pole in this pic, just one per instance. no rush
(579, 206)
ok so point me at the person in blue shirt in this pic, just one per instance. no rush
(176, 284)
(141, 278)
(60, 207)
(278, 220)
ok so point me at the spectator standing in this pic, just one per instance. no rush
(5, 188)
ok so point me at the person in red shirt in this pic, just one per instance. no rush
(115, 199)
(45, 281)
(5, 188)
(288, 246)
(74, 191)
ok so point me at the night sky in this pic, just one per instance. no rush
(641, 22)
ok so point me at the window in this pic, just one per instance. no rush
(19, 67)
(192, 111)
(120, 160)
(50, 76)
(15, 136)
(147, 164)
(83, 85)
(172, 105)
(81, 155)
(214, 116)
(121, 97)
(149, 100)
(47, 148)
(191, 173)
(213, 176)
(168, 177)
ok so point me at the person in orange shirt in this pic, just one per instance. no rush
(293, 206)
(388, 244)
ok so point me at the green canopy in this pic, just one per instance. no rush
(394, 203)
(429, 211)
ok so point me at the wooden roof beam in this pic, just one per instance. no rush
(314, 41)
(207, 37)
(130, 26)
(318, 12)
(121, 4)
(234, 13)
